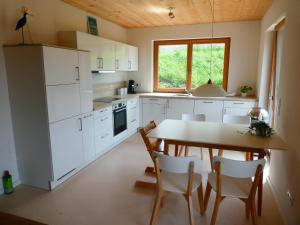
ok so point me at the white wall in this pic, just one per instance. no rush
(285, 166)
(243, 52)
(49, 17)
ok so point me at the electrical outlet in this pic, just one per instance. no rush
(290, 197)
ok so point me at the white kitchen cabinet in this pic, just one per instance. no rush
(153, 109)
(238, 108)
(122, 63)
(102, 50)
(88, 136)
(66, 146)
(86, 90)
(61, 66)
(133, 114)
(132, 58)
(63, 101)
(47, 101)
(103, 124)
(213, 109)
(177, 107)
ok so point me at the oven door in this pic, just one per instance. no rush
(120, 120)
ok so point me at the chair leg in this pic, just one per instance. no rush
(215, 211)
(207, 195)
(200, 199)
(162, 202)
(247, 208)
(176, 150)
(186, 151)
(211, 156)
(190, 206)
(253, 212)
(220, 152)
(201, 151)
(156, 207)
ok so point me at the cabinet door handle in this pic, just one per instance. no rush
(206, 102)
(104, 119)
(133, 108)
(117, 64)
(238, 103)
(133, 120)
(153, 99)
(80, 124)
(77, 73)
(87, 116)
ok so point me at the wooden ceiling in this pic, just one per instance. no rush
(152, 13)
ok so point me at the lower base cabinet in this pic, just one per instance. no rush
(88, 136)
(66, 146)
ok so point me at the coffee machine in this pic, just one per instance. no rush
(131, 87)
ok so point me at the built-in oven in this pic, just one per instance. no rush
(120, 117)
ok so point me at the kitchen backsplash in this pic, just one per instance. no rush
(107, 89)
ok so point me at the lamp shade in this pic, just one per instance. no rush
(209, 90)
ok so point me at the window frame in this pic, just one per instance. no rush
(189, 43)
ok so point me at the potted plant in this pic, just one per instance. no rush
(244, 90)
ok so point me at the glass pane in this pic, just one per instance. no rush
(201, 64)
(172, 62)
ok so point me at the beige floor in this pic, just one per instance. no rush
(103, 194)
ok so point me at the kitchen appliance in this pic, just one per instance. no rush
(106, 99)
(122, 91)
(119, 117)
(131, 87)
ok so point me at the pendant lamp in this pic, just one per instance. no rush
(210, 89)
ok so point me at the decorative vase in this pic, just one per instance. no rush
(244, 94)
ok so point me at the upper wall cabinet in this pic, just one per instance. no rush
(106, 55)
(132, 58)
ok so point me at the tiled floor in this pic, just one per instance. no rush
(103, 194)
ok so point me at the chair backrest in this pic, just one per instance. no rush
(193, 117)
(237, 119)
(174, 164)
(151, 146)
(238, 169)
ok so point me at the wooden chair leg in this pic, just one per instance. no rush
(253, 212)
(207, 195)
(176, 150)
(211, 156)
(186, 151)
(190, 206)
(200, 199)
(247, 209)
(181, 150)
(162, 202)
(215, 211)
(156, 207)
(201, 152)
(220, 152)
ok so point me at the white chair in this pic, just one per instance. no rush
(233, 179)
(191, 117)
(235, 119)
(177, 176)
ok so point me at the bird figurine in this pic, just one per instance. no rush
(22, 22)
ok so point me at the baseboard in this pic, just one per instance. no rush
(277, 201)
(15, 183)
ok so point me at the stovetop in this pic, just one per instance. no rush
(106, 99)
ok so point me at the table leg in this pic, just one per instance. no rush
(211, 156)
(166, 147)
(260, 190)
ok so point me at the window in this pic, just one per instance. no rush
(185, 64)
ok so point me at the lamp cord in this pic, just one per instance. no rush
(212, 7)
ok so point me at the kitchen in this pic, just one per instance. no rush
(104, 117)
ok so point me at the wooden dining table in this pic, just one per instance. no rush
(212, 135)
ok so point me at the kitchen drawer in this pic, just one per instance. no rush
(160, 101)
(212, 109)
(103, 141)
(103, 124)
(236, 111)
(102, 112)
(239, 104)
(132, 102)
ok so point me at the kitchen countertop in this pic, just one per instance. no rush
(173, 95)
(101, 105)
